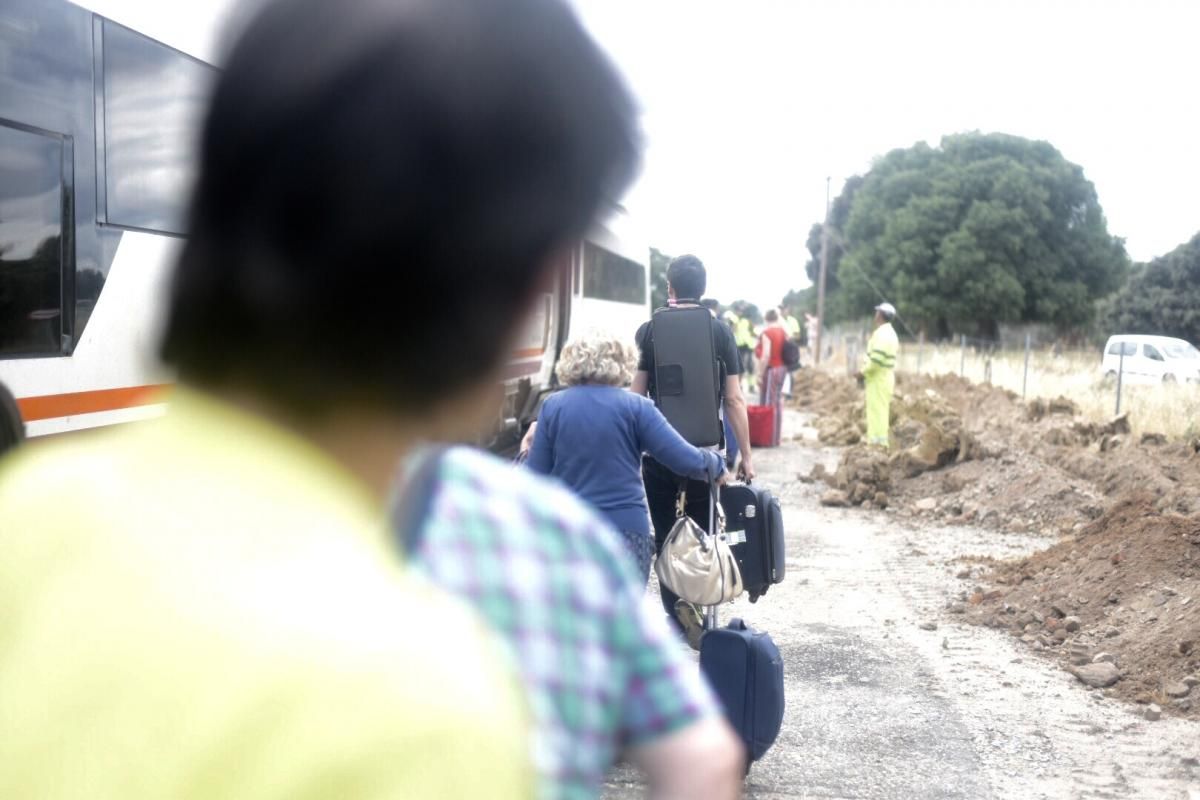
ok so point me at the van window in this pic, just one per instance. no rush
(1116, 348)
(154, 99)
(1185, 351)
(608, 276)
(1151, 352)
(31, 242)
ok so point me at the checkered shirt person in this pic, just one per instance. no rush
(600, 668)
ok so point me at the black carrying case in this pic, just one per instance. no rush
(754, 522)
(687, 374)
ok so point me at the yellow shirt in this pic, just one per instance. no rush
(204, 606)
(743, 332)
(793, 327)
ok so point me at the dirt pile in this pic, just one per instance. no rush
(929, 433)
(824, 393)
(864, 476)
(1124, 590)
(837, 402)
(971, 453)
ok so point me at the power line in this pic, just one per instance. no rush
(837, 240)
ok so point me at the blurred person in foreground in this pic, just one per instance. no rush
(210, 604)
(604, 676)
(878, 374)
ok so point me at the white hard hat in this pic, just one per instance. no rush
(887, 309)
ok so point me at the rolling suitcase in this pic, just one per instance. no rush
(745, 669)
(687, 374)
(761, 420)
(754, 524)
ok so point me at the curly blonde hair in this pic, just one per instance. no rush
(597, 358)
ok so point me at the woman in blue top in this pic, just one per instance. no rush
(592, 435)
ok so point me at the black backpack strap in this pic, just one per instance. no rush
(415, 497)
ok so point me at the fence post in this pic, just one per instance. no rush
(962, 362)
(1025, 379)
(987, 365)
(920, 349)
(1120, 378)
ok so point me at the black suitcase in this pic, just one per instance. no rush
(754, 523)
(687, 374)
(745, 669)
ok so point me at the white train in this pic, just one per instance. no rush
(100, 103)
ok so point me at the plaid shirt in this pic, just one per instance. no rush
(601, 669)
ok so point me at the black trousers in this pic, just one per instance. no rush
(662, 490)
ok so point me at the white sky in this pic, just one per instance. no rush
(749, 105)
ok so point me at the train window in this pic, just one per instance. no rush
(31, 249)
(608, 276)
(154, 99)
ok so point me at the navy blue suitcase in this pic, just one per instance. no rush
(754, 523)
(746, 671)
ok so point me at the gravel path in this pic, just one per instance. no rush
(879, 707)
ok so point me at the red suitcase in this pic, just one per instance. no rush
(762, 425)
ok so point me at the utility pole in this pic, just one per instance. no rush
(821, 277)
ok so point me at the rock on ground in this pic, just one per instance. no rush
(1097, 675)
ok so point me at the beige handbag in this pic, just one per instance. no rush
(697, 566)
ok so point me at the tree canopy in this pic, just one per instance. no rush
(1161, 297)
(984, 229)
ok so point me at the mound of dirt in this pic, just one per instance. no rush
(1125, 590)
(864, 475)
(965, 452)
(824, 393)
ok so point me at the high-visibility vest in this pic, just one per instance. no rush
(882, 349)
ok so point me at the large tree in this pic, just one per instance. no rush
(1161, 297)
(986, 228)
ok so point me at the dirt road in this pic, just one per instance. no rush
(879, 706)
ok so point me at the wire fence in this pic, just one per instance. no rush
(1047, 371)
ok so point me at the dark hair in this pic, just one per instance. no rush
(12, 430)
(771, 316)
(711, 304)
(382, 189)
(687, 277)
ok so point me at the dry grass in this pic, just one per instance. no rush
(1169, 409)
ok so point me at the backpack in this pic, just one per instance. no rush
(791, 354)
(687, 374)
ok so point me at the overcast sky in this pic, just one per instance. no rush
(749, 105)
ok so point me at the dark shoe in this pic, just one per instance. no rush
(692, 621)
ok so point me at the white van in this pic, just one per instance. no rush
(1150, 359)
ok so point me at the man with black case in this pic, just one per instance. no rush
(686, 282)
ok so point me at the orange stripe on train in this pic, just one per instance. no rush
(50, 406)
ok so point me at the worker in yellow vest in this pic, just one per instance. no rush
(879, 374)
(791, 324)
(746, 339)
